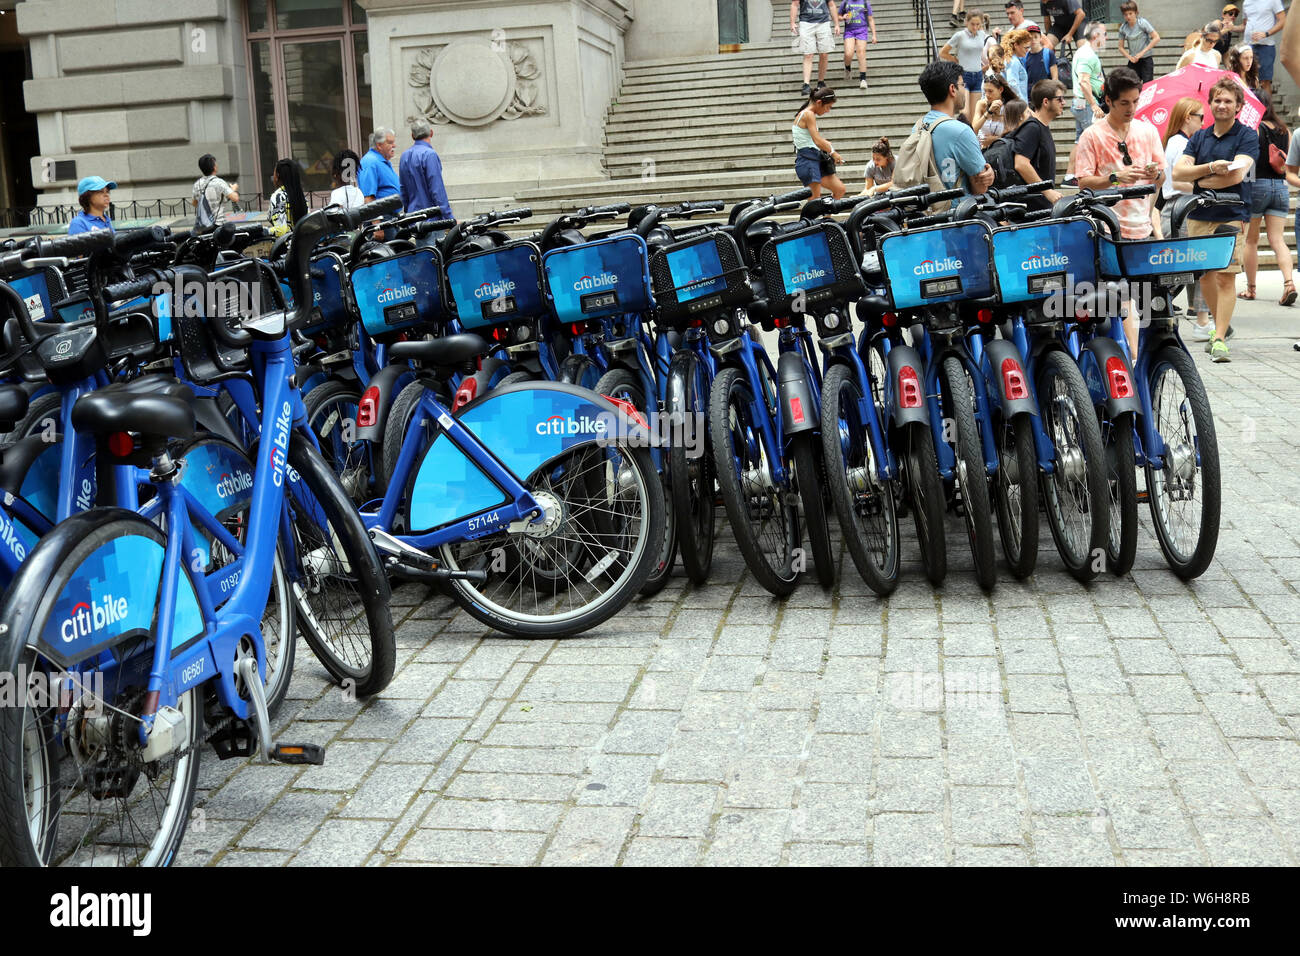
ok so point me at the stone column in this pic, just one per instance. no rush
(516, 93)
(136, 91)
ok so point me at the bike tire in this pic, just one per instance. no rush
(971, 477)
(924, 489)
(1187, 561)
(329, 562)
(693, 487)
(1121, 480)
(770, 557)
(622, 383)
(1077, 497)
(42, 418)
(396, 425)
(843, 434)
(330, 407)
(1015, 495)
(30, 752)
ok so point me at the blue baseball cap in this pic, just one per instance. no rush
(93, 184)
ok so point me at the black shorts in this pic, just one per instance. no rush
(1061, 26)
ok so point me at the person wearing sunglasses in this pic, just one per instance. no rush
(1121, 150)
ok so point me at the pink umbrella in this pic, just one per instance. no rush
(1159, 96)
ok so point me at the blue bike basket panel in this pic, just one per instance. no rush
(812, 264)
(40, 289)
(1034, 262)
(944, 263)
(698, 278)
(328, 308)
(497, 285)
(599, 279)
(399, 293)
(113, 595)
(1138, 258)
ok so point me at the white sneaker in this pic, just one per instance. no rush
(1202, 333)
(862, 84)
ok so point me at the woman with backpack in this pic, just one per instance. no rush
(1270, 202)
(288, 204)
(814, 156)
(988, 122)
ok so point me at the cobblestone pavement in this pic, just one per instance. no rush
(1136, 721)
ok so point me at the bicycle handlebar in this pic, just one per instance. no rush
(433, 225)
(349, 219)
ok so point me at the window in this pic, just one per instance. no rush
(309, 80)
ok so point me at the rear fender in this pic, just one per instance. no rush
(905, 358)
(388, 381)
(1004, 372)
(1116, 383)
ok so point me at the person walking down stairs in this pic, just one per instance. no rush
(859, 26)
(810, 22)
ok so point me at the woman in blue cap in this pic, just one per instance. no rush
(92, 193)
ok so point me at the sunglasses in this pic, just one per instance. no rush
(1123, 151)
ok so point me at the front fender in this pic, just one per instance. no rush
(999, 352)
(524, 425)
(389, 381)
(798, 407)
(905, 357)
(1103, 350)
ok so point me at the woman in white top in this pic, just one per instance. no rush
(346, 193)
(1187, 117)
(1204, 52)
(988, 122)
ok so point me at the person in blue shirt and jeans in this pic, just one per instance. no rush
(1207, 163)
(420, 174)
(956, 148)
(93, 194)
(377, 178)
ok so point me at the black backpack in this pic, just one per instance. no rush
(1001, 155)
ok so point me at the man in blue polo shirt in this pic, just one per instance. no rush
(377, 179)
(420, 172)
(956, 148)
(1208, 163)
(93, 194)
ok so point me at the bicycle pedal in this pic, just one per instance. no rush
(1143, 496)
(298, 753)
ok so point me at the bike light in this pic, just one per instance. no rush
(368, 408)
(985, 316)
(467, 392)
(782, 323)
(890, 319)
(121, 444)
(909, 388)
(523, 334)
(721, 327)
(578, 328)
(1121, 383)
(1013, 380)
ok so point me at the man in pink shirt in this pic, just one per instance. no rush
(1123, 151)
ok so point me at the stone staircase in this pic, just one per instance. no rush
(718, 127)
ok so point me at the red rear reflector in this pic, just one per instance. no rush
(985, 316)
(1081, 315)
(629, 410)
(368, 408)
(1121, 383)
(1013, 380)
(500, 333)
(467, 392)
(796, 410)
(890, 319)
(577, 328)
(909, 388)
(121, 444)
(782, 323)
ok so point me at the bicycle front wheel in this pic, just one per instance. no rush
(1015, 493)
(971, 475)
(332, 415)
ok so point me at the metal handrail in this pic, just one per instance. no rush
(20, 217)
(925, 23)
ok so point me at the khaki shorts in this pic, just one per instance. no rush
(814, 38)
(1198, 227)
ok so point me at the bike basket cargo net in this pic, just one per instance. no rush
(499, 285)
(1168, 261)
(808, 266)
(937, 264)
(598, 279)
(328, 309)
(698, 278)
(1046, 259)
(399, 293)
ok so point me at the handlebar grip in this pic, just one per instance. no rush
(373, 210)
(614, 208)
(132, 288)
(799, 195)
(73, 247)
(931, 220)
(1145, 189)
(133, 240)
(918, 190)
(943, 195)
(433, 225)
(702, 205)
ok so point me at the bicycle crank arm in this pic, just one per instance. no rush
(433, 575)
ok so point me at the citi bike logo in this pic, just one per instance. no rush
(929, 267)
(559, 425)
(491, 290)
(228, 486)
(807, 274)
(1169, 256)
(399, 294)
(602, 281)
(1049, 261)
(281, 443)
(87, 618)
(85, 496)
(9, 535)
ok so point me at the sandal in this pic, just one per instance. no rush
(1248, 294)
(1288, 294)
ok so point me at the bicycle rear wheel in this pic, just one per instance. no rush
(924, 489)
(75, 788)
(332, 415)
(971, 475)
(1015, 493)
(1121, 481)
(1185, 494)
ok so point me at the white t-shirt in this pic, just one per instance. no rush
(1177, 143)
(1261, 15)
(347, 196)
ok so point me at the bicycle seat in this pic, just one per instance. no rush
(449, 351)
(119, 408)
(13, 406)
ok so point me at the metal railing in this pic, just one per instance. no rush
(38, 217)
(925, 23)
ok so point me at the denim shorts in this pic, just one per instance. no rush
(974, 81)
(808, 166)
(1269, 197)
(1265, 53)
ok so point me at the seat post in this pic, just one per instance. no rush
(164, 468)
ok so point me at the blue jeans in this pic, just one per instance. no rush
(1082, 120)
(1265, 54)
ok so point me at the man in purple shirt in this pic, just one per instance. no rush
(420, 173)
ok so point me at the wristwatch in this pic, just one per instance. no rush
(1114, 179)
